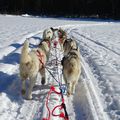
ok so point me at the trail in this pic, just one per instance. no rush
(89, 104)
(87, 99)
(97, 93)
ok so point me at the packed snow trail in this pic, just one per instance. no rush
(36, 109)
(97, 94)
(104, 64)
(93, 109)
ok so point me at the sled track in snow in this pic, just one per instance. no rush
(97, 43)
(89, 100)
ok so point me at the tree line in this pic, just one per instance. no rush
(66, 8)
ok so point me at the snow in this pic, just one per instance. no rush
(97, 94)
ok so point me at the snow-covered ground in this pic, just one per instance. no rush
(97, 94)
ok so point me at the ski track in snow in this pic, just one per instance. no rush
(96, 98)
(97, 62)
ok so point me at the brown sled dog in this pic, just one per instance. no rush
(71, 69)
(31, 63)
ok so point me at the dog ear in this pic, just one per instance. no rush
(52, 28)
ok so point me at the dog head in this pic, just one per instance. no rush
(68, 45)
(47, 34)
(62, 34)
(75, 52)
(55, 32)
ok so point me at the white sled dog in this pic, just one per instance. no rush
(47, 34)
(31, 63)
(71, 70)
(68, 45)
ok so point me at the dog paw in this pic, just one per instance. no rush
(23, 92)
(29, 97)
(43, 81)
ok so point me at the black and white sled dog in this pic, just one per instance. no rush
(71, 65)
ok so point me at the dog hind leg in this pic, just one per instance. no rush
(69, 89)
(43, 79)
(73, 87)
(23, 91)
(31, 85)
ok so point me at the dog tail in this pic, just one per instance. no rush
(25, 57)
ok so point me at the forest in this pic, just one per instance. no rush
(65, 8)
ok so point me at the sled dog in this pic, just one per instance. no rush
(47, 37)
(61, 34)
(31, 63)
(62, 37)
(68, 45)
(71, 70)
(47, 34)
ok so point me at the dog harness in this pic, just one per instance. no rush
(61, 107)
(40, 57)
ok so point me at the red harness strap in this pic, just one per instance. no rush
(51, 89)
(40, 56)
(60, 37)
(62, 106)
(61, 115)
(47, 106)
